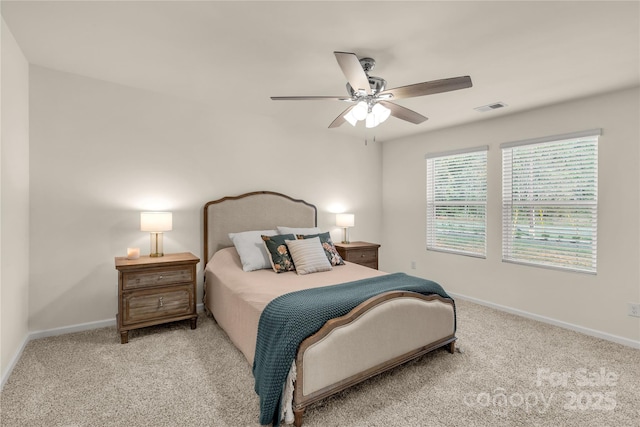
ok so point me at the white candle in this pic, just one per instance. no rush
(133, 253)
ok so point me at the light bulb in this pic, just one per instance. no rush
(360, 110)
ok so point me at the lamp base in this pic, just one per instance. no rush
(156, 245)
(345, 235)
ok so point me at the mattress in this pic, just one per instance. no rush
(237, 298)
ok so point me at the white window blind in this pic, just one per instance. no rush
(550, 201)
(457, 202)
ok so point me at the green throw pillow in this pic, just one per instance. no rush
(278, 252)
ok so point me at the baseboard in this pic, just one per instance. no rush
(587, 331)
(71, 329)
(82, 327)
(14, 361)
(61, 331)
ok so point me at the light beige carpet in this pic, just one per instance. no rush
(513, 372)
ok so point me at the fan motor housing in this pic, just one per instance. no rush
(377, 84)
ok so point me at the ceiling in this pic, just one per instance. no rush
(235, 55)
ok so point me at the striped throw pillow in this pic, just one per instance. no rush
(308, 255)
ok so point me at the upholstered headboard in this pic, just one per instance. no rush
(259, 210)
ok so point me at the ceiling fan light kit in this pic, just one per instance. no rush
(373, 114)
(371, 98)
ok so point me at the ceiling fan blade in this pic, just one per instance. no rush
(429, 88)
(353, 71)
(340, 119)
(311, 98)
(403, 113)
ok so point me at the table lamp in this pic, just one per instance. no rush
(156, 223)
(345, 221)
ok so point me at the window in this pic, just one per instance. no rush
(550, 201)
(457, 202)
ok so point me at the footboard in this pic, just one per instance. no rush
(379, 334)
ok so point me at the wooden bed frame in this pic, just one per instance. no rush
(409, 324)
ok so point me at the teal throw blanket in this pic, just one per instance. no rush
(289, 319)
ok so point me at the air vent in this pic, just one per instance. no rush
(490, 107)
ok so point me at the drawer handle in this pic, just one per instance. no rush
(362, 256)
(160, 278)
(160, 302)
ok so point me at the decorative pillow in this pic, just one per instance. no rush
(308, 255)
(278, 253)
(298, 230)
(251, 249)
(328, 246)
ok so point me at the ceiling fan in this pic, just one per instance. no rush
(371, 100)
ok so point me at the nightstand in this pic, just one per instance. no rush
(154, 290)
(362, 253)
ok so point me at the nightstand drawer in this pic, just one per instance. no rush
(141, 306)
(136, 280)
(362, 256)
(362, 253)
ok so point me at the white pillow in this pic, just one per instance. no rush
(251, 249)
(308, 255)
(298, 230)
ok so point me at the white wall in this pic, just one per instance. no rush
(101, 153)
(594, 302)
(14, 217)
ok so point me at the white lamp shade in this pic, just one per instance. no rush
(156, 221)
(350, 118)
(345, 220)
(371, 121)
(360, 110)
(382, 113)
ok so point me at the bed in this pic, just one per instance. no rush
(345, 350)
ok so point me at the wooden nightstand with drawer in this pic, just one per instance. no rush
(362, 253)
(154, 290)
